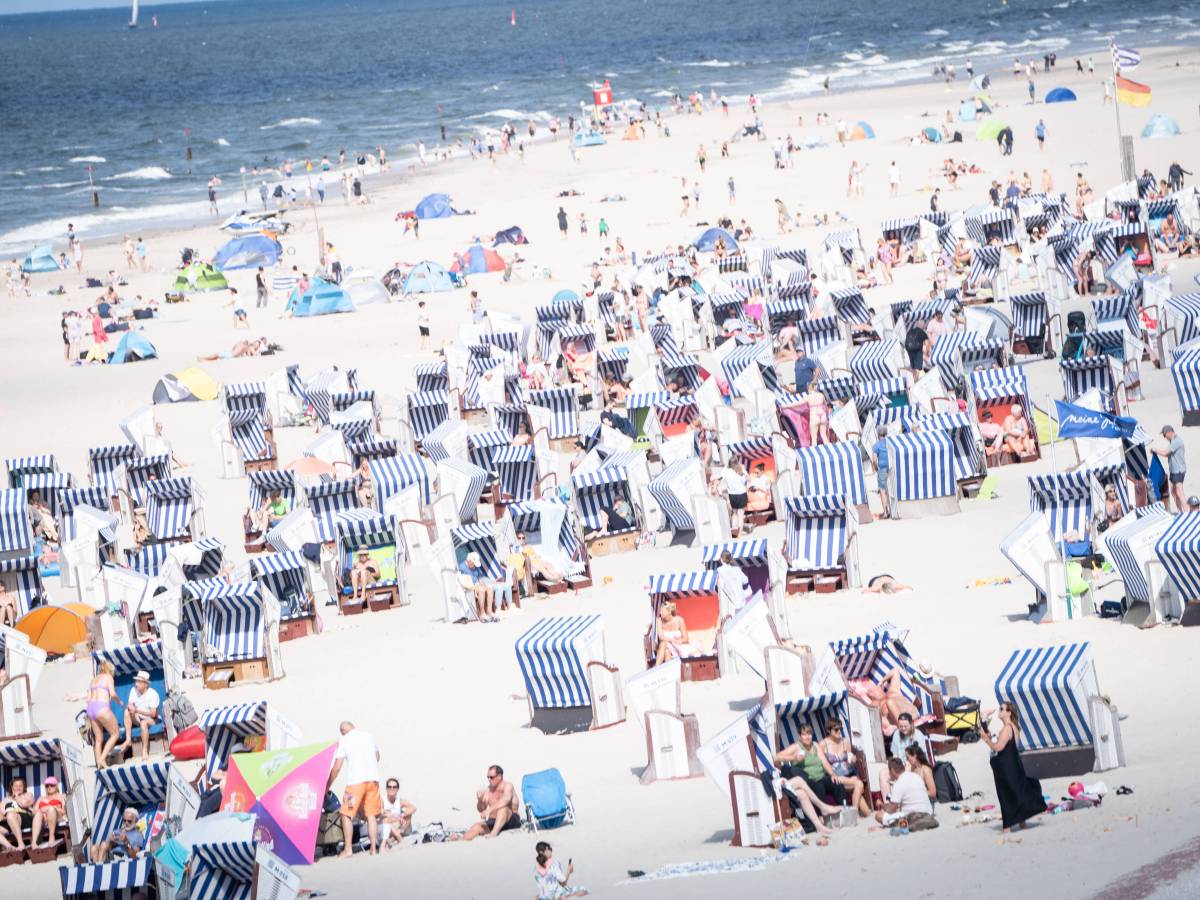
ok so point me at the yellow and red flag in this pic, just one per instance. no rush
(1132, 93)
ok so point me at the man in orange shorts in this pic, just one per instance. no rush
(358, 753)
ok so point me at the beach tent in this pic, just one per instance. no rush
(862, 131)
(190, 384)
(321, 299)
(990, 130)
(199, 277)
(588, 138)
(435, 206)
(56, 629)
(134, 346)
(966, 111)
(1160, 125)
(41, 258)
(984, 104)
(707, 242)
(1061, 95)
(477, 259)
(364, 288)
(934, 136)
(248, 251)
(426, 277)
(511, 235)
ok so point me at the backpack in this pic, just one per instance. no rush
(180, 709)
(945, 779)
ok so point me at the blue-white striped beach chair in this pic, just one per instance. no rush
(1067, 726)
(997, 391)
(288, 577)
(241, 634)
(1178, 550)
(141, 470)
(986, 268)
(17, 467)
(562, 404)
(596, 492)
(850, 306)
(104, 465)
(638, 405)
(226, 726)
(481, 538)
(1037, 323)
(432, 376)
(877, 359)
(1185, 374)
(1100, 372)
(821, 543)
(464, 481)
(554, 656)
(782, 310)
(905, 231)
(142, 786)
(46, 487)
(370, 447)
(726, 305)
(1068, 500)
(995, 224)
(921, 479)
(1180, 317)
(426, 411)
(362, 528)
(447, 441)
(738, 759)
(1131, 547)
(695, 597)
(327, 499)
(834, 469)
(16, 534)
(519, 472)
(817, 334)
(261, 486)
(222, 871)
(564, 549)
(673, 489)
(170, 509)
(250, 437)
(126, 663)
(958, 352)
(612, 362)
(482, 447)
(147, 559)
(33, 761)
(682, 368)
(321, 387)
(740, 364)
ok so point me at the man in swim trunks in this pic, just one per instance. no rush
(18, 810)
(891, 702)
(497, 805)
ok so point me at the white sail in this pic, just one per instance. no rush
(133, 15)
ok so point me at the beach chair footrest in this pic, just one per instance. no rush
(827, 584)
(551, 587)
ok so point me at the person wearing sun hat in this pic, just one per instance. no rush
(364, 573)
(141, 711)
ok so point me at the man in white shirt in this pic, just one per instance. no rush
(907, 797)
(732, 584)
(141, 711)
(358, 754)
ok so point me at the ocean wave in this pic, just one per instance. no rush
(87, 225)
(513, 114)
(221, 142)
(17, 173)
(87, 159)
(48, 169)
(715, 63)
(290, 123)
(147, 173)
(612, 74)
(663, 94)
(935, 32)
(490, 88)
(53, 185)
(853, 56)
(877, 59)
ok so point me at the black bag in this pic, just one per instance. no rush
(179, 708)
(945, 779)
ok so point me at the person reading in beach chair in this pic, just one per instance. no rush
(497, 805)
(363, 574)
(127, 842)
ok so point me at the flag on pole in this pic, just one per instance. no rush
(1078, 421)
(1124, 59)
(1132, 93)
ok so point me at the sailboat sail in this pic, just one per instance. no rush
(133, 15)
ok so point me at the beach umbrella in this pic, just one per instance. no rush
(862, 131)
(187, 386)
(707, 241)
(1160, 125)
(285, 789)
(932, 134)
(990, 130)
(1061, 95)
(309, 465)
(56, 629)
(566, 295)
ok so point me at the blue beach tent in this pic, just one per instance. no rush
(134, 346)
(932, 134)
(321, 299)
(41, 259)
(247, 252)
(1061, 95)
(966, 111)
(566, 295)
(707, 242)
(435, 206)
(1160, 125)
(588, 138)
(427, 277)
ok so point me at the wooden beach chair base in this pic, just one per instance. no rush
(381, 598)
(46, 854)
(266, 464)
(294, 629)
(799, 584)
(701, 668)
(11, 858)
(579, 582)
(551, 587)
(607, 544)
(218, 676)
(563, 445)
(351, 606)
(970, 486)
(827, 584)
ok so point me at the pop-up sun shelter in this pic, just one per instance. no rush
(199, 276)
(1160, 125)
(1061, 95)
(425, 278)
(247, 252)
(41, 258)
(476, 260)
(435, 206)
(133, 347)
(321, 298)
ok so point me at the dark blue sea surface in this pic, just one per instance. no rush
(261, 81)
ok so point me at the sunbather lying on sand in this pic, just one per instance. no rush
(241, 348)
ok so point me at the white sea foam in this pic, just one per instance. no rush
(88, 159)
(97, 224)
(17, 173)
(53, 185)
(48, 169)
(513, 114)
(715, 63)
(291, 123)
(221, 142)
(147, 173)
(936, 32)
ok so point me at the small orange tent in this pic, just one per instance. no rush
(56, 629)
(632, 133)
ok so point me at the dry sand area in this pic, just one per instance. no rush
(445, 701)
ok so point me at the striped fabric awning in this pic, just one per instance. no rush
(817, 334)
(434, 376)
(851, 305)
(671, 496)
(563, 406)
(1081, 375)
(677, 410)
(646, 399)
(923, 465)
(750, 449)
(142, 469)
(814, 712)
(683, 584)
(1120, 543)
(16, 535)
(1029, 313)
(27, 576)
(1185, 373)
(328, 498)
(103, 463)
(752, 552)
(284, 574)
(745, 356)
(169, 506)
(833, 469)
(392, 474)
(876, 359)
(140, 785)
(526, 516)
(112, 879)
(985, 264)
(551, 657)
(263, 484)
(225, 726)
(480, 537)
(782, 311)
(1179, 551)
(128, 660)
(222, 871)
(817, 531)
(1044, 685)
(20, 466)
(1183, 311)
(234, 623)
(427, 410)
(998, 384)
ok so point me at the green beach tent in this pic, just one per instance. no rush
(990, 130)
(200, 277)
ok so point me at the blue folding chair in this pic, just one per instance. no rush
(547, 802)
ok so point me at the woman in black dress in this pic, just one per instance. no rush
(1020, 796)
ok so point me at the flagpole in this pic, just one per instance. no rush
(1112, 58)
(1054, 470)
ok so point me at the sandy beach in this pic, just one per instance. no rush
(446, 701)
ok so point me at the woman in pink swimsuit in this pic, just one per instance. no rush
(101, 692)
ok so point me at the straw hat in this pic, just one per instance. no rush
(925, 669)
(142, 675)
(364, 550)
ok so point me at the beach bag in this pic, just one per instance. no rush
(188, 744)
(179, 708)
(945, 779)
(961, 716)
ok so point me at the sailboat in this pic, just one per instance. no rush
(133, 15)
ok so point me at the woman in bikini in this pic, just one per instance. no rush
(840, 756)
(672, 634)
(101, 692)
(818, 416)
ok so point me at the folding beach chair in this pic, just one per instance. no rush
(548, 803)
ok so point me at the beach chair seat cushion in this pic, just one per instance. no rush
(124, 685)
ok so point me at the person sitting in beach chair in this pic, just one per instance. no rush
(42, 518)
(526, 564)
(758, 488)
(19, 813)
(127, 842)
(473, 577)
(271, 512)
(1018, 436)
(891, 703)
(672, 634)
(615, 518)
(363, 574)
(1167, 240)
(498, 807)
(141, 712)
(993, 438)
